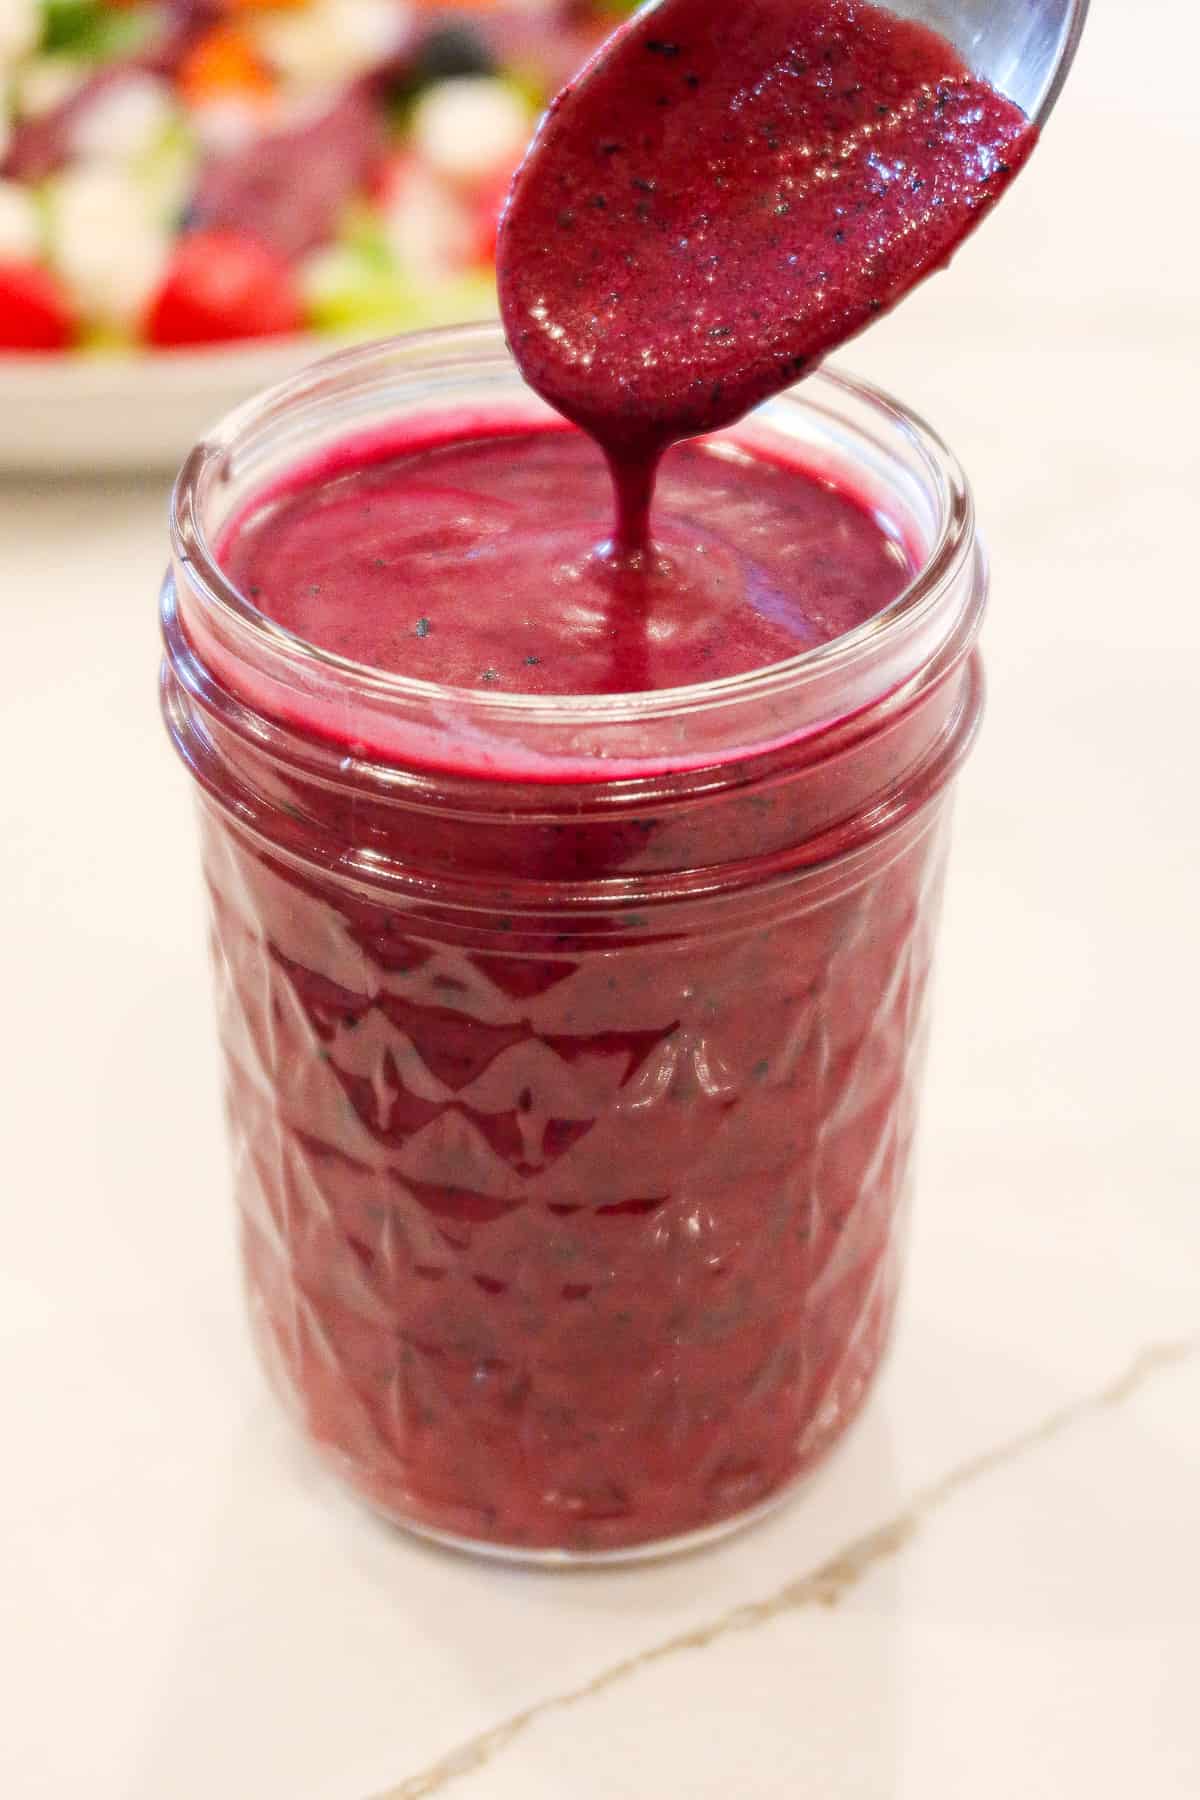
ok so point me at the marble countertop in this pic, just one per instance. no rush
(993, 1588)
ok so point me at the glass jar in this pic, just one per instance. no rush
(571, 1046)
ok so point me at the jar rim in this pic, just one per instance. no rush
(802, 682)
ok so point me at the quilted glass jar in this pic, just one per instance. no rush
(572, 1083)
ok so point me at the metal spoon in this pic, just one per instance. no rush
(1023, 47)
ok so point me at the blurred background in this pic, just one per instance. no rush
(199, 195)
(343, 160)
(346, 159)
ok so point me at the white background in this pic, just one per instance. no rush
(187, 1610)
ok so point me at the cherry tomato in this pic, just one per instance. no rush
(221, 285)
(488, 209)
(35, 314)
(388, 177)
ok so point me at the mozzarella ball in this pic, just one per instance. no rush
(20, 224)
(105, 241)
(470, 128)
(124, 121)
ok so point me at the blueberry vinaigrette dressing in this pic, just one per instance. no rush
(366, 555)
(574, 886)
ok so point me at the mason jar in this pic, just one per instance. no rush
(572, 1045)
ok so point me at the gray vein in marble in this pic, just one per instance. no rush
(823, 1586)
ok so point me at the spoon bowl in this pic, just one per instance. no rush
(1023, 47)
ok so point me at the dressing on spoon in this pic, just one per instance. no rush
(725, 195)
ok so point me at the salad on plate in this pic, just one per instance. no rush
(203, 171)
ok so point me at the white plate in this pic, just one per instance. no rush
(74, 414)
